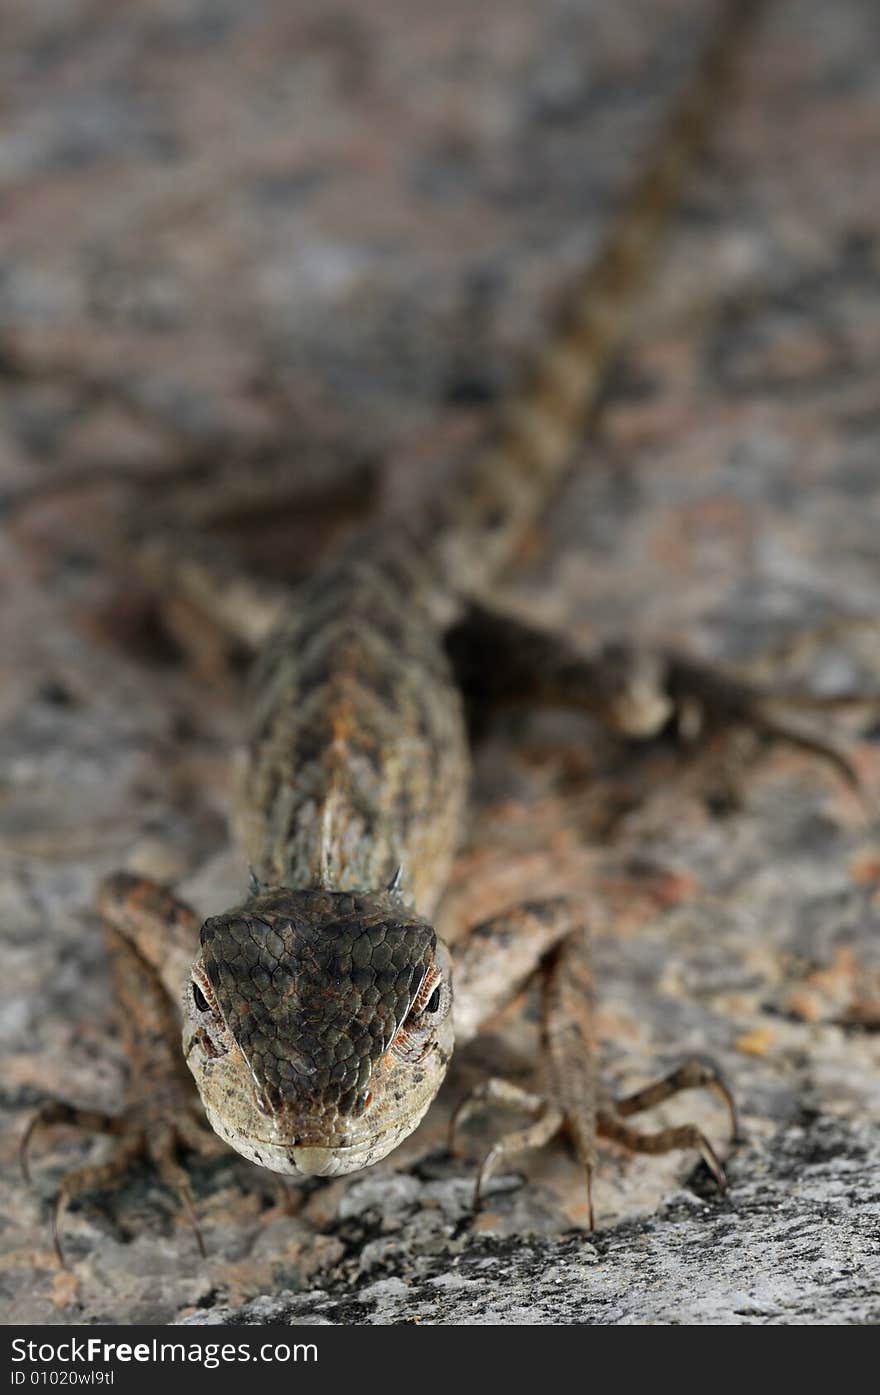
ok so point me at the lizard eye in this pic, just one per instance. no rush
(428, 998)
(416, 1034)
(422, 1029)
(202, 992)
(210, 1034)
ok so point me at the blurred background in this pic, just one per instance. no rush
(264, 267)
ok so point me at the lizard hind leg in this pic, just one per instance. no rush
(636, 691)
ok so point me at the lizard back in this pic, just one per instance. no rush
(356, 758)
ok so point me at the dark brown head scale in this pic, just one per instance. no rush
(314, 985)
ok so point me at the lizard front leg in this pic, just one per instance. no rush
(552, 938)
(150, 936)
(634, 690)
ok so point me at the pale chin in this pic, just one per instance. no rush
(300, 1160)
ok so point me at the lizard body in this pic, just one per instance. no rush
(318, 1016)
(356, 768)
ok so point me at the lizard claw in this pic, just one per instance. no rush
(136, 1140)
(705, 696)
(547, 1120)
(60, 1112)
(641, 689)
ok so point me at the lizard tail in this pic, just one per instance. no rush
(506, 481)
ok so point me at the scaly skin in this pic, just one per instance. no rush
(356, 755)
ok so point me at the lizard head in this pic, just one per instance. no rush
(318, 1026)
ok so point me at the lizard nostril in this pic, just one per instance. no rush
(363, 1104)
(207, 1044)
(263, 1102)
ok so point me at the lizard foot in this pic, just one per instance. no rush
(638, 691)
(149, 934)
(139, 1135)
(693, 1074)
(548, 1119)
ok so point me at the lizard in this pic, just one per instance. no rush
(319, 1015)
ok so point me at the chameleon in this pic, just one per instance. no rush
(318, 1017)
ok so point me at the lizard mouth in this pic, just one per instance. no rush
(317, 1162)
(310, 1155)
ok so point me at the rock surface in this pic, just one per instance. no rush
(245, 240)
(797, 1243)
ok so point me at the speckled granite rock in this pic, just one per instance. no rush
(244, 238)
(797, 1243)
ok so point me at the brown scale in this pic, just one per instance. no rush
(328, 977)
